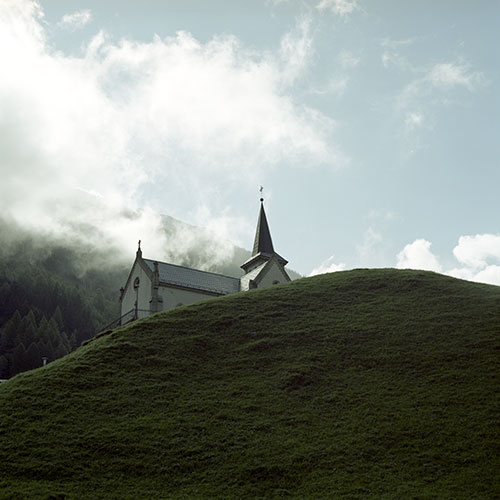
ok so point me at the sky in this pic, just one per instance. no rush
(372, 127)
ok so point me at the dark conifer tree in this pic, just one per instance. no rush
(4, 298)
(72, 341)
(19, 363)
(43, 328)
(53, 333)
(28, 330)
(46, 350)
(33, 358)
(9, 333)
(4, 367)
(58, 318)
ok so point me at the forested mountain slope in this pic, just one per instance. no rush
(48, 306)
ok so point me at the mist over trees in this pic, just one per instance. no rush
(51, 299)
(55, 292)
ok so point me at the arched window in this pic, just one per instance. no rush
(137, 281)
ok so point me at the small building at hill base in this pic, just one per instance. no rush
(154, 286)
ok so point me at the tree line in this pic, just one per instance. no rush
(47, 308)
(25, 343)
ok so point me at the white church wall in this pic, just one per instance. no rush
(143, 293)
(173, 297)
(250, 275)
(272, 275)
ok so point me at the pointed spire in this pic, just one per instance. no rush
(263, 249)
(263, 242)
(139, 251)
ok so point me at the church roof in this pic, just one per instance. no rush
(263, 244)
(196, 279)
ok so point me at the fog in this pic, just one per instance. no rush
(95, 147)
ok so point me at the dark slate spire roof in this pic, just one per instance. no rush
(263, 249)
(263, 242)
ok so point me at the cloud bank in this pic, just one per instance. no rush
(94, 147)
(478, 258)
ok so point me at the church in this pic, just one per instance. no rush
(154, 286)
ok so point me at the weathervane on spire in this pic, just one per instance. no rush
(261, 189)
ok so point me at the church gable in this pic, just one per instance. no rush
(137, 268)
(272, 273)
(136, 294)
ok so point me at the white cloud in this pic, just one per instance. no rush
(472, 251)
(76, 20)
(296, 50)
(339, 7)
(435, 87)
(429, 85)
(164, 124)
(418, 255)
(475, 251)
(336, 86)
(490, 274)
(328, 266)
(478, 258)
(391, 55)
(453, 74)
(368, 249)
(440, 77)
(413, 120)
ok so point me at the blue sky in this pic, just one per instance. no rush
(373, 126)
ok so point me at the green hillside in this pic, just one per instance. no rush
(360, 384)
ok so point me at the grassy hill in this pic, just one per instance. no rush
(360, 384)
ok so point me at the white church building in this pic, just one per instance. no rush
(154, 286)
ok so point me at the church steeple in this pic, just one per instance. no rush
(262, 242)
(263, 249)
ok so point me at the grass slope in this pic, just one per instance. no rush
(359, 384)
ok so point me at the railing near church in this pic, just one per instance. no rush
(129, 316)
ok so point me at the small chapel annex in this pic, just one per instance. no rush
(154, 286)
